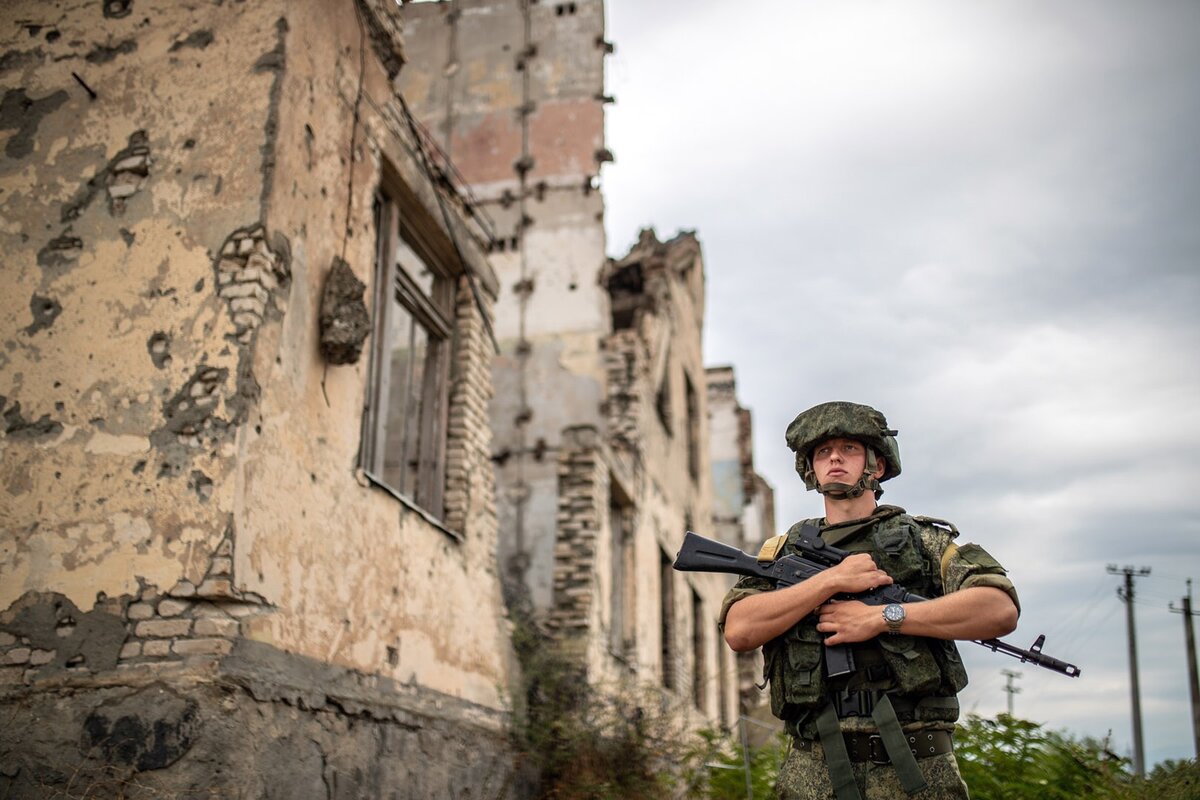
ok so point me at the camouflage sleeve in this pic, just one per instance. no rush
(742, 589)
(962, 567)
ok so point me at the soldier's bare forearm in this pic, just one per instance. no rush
(753, 621)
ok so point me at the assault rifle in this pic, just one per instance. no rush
(705, 555)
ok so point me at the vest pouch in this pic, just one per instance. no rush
(954, 674)
(912, 664)
(792, 664)
(897, 553)
(936, 709)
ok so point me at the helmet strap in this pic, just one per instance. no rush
(845, 490)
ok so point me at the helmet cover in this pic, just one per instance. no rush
(846, 421)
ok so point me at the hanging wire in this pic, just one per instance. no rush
(428, 169)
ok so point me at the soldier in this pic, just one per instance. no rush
(884, 730)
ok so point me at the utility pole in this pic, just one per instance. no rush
(1126, 594)
(1193, 681)
(1009, 688)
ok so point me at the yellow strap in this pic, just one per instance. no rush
(772, 548)
(951, 551)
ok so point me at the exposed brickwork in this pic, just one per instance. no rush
(128, 172)
(582, 515)
(186, 621)
(470, 487)
(625, 363)
(248, 272)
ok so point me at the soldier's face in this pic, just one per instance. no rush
(839, 461)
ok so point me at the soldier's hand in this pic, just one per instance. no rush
(849, 621)
(857, 573)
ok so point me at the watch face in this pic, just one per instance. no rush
(894, 613)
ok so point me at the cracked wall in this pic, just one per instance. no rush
(123, 380)
(178, 462)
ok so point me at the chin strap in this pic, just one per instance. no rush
(847, 490)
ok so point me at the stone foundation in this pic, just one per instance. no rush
(260, 723)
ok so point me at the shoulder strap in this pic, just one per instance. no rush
(939, 523)
(772, 548)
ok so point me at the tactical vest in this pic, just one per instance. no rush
(908, 667)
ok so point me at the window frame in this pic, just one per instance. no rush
(398, 216)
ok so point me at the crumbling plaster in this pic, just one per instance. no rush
(155, 423)
(397, 603)
(115, 212)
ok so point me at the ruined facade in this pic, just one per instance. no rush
(600, 414)
(743, 503)
(217, 573)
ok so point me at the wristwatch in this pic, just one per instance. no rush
(893, 615)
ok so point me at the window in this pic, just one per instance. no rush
(699, 648)
(693, 428)
(667, 619)
(624, 585)
(404, 442)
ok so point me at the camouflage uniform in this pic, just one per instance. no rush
(935, 566)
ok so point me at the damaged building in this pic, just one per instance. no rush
(248, 515)
(601, 419)
(743, 504)
(298, 387)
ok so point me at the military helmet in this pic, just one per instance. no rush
(848, 421)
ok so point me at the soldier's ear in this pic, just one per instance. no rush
(880, 467)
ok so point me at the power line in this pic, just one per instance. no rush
(1009, 689)
(1189, 637)
(1126, 594)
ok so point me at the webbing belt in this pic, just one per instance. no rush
(837, 756)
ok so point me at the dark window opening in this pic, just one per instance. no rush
(693, 428)
(667, 619)
(623, 626)
(404, 442)
(699, 661)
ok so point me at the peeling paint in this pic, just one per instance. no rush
(60, 255)
(18, 428)
(197, 39)
(22, 113)
(52, 622)
(102, 54)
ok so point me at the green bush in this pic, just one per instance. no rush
(1012, 759)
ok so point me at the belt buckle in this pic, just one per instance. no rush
(854, 702)
(877, 756)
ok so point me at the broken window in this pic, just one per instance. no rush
(693, 428)
(699, 648)
(624, 584)
(404, 442)
(667, 619)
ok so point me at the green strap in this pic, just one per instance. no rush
(896, 746)
(837, 757)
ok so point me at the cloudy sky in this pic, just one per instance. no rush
(984, 219)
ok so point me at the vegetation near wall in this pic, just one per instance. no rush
(582, 742)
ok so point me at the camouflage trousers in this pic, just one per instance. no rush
(804, 776)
